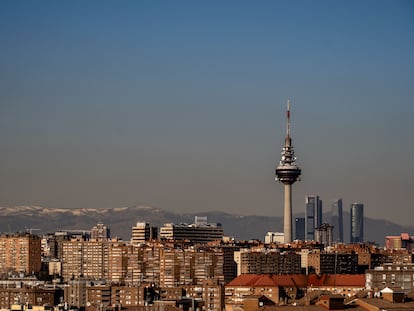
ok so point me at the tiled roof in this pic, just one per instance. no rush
(327, 297)
(298, 280)
(265, 280)
(244, 280)
(337, 280)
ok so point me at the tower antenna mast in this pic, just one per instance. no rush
(288, 119)
(288, 172)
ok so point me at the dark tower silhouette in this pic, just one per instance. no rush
(287, 172)
(300, 229)
(313, 216)
(357, 223)
(337, 221)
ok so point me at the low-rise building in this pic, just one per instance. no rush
(391, 275)
(274, 287)
(342, 284)
(98, 297)
(75, 293)
(402, 241)
(94, 259)
(19, 294)
(100, 232)
(127, 296)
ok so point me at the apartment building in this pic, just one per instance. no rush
(342, 284)
(264, 261)
(98, 297)
(274, 287)
(134, 273)
(331, 263)
(94, 259)
(391, 275)
(117, 261)
(210, 292)
(52, 243)
(100, 232)
(210, 295)
(18, 294)
(20, 253)
(190, 266)
(75, 292)
(150, 264)
(72, 259)
(170, 265)
(101, 296)
(208, 265)
(128, 296)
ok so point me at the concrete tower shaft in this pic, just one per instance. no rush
(288, 172)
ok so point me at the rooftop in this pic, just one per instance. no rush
(299, 280)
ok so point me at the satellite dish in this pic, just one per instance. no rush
(88, 304)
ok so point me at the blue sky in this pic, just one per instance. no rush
(181, 104)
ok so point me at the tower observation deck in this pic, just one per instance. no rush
(288, 172)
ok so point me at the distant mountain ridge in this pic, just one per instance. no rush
(121, 219)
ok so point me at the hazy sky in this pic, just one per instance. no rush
(181, 104)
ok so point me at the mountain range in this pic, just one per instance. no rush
(41, 220)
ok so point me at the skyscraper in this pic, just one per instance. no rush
(357, 223)
(287, 172)
(337, 222)
(313, 216)
(300, 229)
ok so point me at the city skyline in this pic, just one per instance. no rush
(181, 105)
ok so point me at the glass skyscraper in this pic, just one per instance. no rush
(313, 216)
(300, 229)
(357, 223)
(337, 221)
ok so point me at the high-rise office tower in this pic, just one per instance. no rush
(319, 215)
(313, 216)
(357, 222)
(337, 221)
(288, 172)
(200, 232)
(300, 229)
(143, 232)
